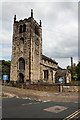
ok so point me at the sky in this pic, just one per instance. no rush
(59, 28)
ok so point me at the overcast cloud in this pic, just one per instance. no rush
(59, 28)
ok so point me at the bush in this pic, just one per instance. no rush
(8, 84)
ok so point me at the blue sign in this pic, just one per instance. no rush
(5, 77)
(60, 80)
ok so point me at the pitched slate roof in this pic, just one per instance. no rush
(49, 67)
(61, 72)
(49, 59)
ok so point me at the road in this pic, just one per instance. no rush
(27, 108)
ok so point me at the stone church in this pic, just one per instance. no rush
(28, 64)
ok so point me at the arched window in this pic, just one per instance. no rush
(20, 29)
(21, 64)
(21, 40)
(24, 28)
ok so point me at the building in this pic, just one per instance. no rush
(28, 64)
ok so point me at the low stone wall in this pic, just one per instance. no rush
(71, 88)
(47, 87)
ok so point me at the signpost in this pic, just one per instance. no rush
(60, 86)
(5, 77)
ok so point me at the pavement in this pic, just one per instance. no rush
(42, 95)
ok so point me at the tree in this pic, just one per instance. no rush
(5, 67)
(78, 70)
(75, 72)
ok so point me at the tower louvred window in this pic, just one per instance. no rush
(24, 28)
(20, 29)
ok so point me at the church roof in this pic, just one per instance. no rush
(62, 72)
(53, 68)
(49, 59)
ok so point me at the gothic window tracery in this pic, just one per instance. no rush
(21, 64)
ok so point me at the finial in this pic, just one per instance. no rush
(14, 18)
(40, 23)
(31, 13)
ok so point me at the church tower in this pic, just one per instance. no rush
(26, 50)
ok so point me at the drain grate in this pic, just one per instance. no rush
(55, 109)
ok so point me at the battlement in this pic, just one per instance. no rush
(30, 19)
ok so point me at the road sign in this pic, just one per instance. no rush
(5, 77)
(60, 80)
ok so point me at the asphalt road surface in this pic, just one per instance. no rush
(27, 108)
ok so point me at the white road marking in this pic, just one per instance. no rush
(25, 98)
(31, 103)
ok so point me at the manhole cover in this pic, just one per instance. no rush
(55, 109)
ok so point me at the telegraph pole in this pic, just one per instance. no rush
(72, 62)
